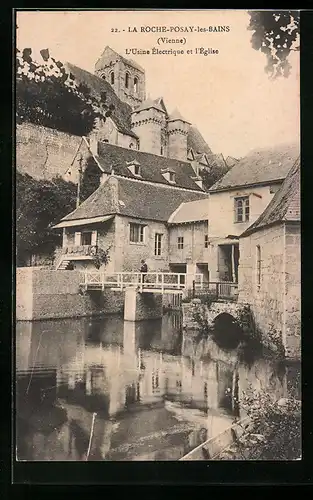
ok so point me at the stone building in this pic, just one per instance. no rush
(136, 123)
(129, 213)
(238, 199)
(270, 266)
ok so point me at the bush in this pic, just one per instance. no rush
(47, 95)
(275, 425)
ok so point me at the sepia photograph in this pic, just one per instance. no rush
(158, 238)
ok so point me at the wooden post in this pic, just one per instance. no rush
(233, 262)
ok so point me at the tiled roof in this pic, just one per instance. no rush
(231, 161)
(259, 167)
(196, 142)
(190, 211)
(151, 166)
(285, 205)
(133, 198)
(121, 115)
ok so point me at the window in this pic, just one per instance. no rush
(135, 84)
(136, 234)
(158, 244)
(112, 78)
(161, 150)
(127, 80)
(180, 242)
(206, 241)
(242, 209)
(172, 176)
(131, 145)
(89, 238)
(258, 265)
(137, 169)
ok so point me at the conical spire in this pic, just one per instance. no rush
(175, 116)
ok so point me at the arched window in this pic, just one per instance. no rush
(112, 78)
(135, 85)
(127, 80)
(131, 145)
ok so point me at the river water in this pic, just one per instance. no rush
(105, 389)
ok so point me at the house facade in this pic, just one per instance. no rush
(238, 199)
(270, 266)
(129, 217)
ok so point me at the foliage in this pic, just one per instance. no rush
(246, 322)
(275, 432)
(101, 257)
(275, 337)
(39, 205)
(210, 177)
(276, 34)
(47, 95)
(90, 179)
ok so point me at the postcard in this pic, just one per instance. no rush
(158, 305)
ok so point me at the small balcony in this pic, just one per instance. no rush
(64, 255)
(80, 251)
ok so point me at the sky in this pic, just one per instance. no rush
(228, 95)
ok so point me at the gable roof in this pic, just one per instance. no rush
(121, 115)
(110, 53)
(284, 206)
(196, 142)
(259, 167)
(132, 198)
(190, 211)
(151, 165)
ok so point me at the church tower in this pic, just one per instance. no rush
(125, 76)
(148, 120)
(177, 129)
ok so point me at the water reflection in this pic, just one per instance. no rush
(153, 398)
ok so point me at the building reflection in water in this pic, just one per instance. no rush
(152, 397)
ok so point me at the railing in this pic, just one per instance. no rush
(80, 250)
(217, 289)
(158, 281)
(70, 252)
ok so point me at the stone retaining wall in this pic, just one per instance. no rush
(47, 294)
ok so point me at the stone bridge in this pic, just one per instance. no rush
(211, 312)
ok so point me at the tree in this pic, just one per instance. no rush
(276, 34)
(210, 177)
(90, 179)
(40, 205)
(46, 94)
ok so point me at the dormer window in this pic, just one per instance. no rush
(127, 80)
(135, 85)
(136, 170)
(112, 78)
(134, 167)
(169, 175)
(172, 176)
